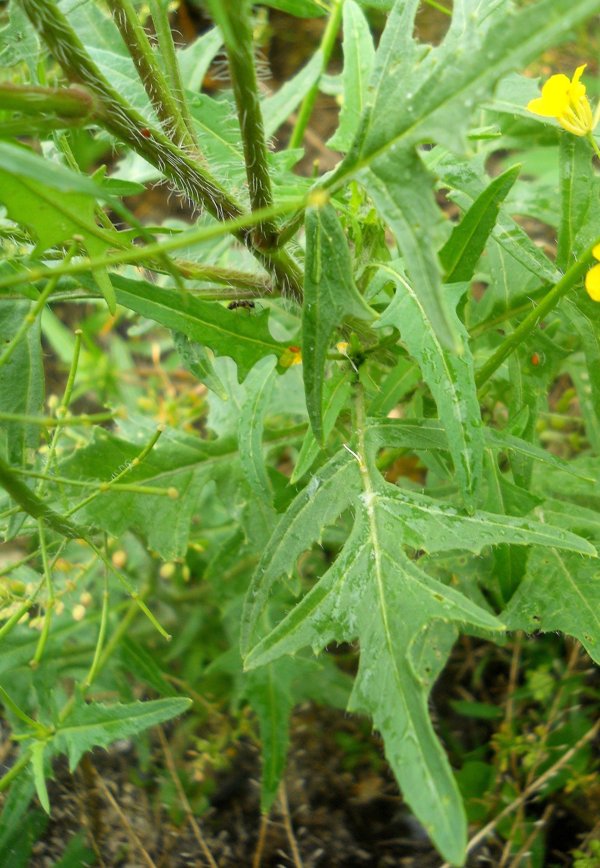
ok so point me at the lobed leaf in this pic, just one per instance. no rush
(318, 504)
(560, 591)
(359, 54)
(245, 339)
(98, 725)
(435, 527)
(375, 593)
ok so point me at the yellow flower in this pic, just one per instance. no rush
(592, 278)
(564, 99)
(290, 356)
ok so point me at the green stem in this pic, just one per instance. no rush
(135, 462)
(135, 596)
(123, 121)
(198, 271)
(160, 18)
(149, 251)
(51, 422)
(62, 409)
(102, 486)
(94, 668)
(71, 103)
(151, 75)
(435, 5)
(16, 616)
(41, 645)
(18, 712)
(14, 771)
(34, 506)
(233, 19)
(506, 315)
(594, 144)
(326, 48)
(531, 321)
(121, 630)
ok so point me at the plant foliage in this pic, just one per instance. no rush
(325, 333)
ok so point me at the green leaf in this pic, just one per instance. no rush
(318, 504)
(56, 220)
(577, 182)
(269, 693)
(259, 383)
(197, 360)
(432, 526)
(374, 592)
(19, 829)
(581, 314)
(76, 854)
(25, 163)
(401, 189)
(403, 377)
(330, 295)
(359, 55)
(138, 661)
(460, 254)
(300, 8)
(21, 380)
(177, 461)
(468, 180)
(39, 777)
(19, 42)
(485, 41)
(244, 339)
(430, 434)
(560, 591)
(413, 103)
(450, 378)
(99, 725)
(336, 392)
(195, 59)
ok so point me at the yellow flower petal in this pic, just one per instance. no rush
(577, 90)
(596, 251)
(555, 94)
(539, 107)
(592, 282)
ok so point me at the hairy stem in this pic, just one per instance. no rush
(160, 19)
(151, 75)
(124, 122)
(72, 102)
(233, 18)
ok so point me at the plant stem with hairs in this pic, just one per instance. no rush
(124, 122)
(233, 19)
(165, 104)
